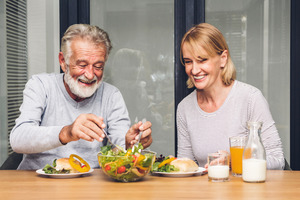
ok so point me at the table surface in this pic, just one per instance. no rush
(17, 184)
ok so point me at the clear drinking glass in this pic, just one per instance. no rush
(218, 167)
(237, 145)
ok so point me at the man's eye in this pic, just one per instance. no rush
(98, 67)
(82, 66)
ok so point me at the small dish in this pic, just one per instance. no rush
(71, 175)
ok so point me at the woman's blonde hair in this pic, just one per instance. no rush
(207, 37)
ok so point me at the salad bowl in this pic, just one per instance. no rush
(126, 166)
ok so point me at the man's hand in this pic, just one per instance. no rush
(132, 135)
(86, 126)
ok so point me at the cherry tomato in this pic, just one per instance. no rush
(121, 169)
(107, 168)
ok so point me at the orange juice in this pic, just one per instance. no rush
(236, 159)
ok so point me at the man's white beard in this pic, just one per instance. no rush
(78, 89)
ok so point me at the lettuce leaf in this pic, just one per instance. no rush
(48, 169)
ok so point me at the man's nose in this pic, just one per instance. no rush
(89, 72)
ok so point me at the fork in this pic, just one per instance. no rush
(140, 134)
(112, 144)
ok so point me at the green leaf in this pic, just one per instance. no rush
(54, 163)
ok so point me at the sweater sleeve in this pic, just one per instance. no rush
(28, 136)
(259, 111)
(184, 141)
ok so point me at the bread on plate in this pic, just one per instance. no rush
(63, 163)
(185, 165)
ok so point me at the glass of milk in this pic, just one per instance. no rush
(218, 167)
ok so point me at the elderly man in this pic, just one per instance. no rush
(65, 114)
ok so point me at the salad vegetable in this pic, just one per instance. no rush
(162, 164)
(81, 166)
(48, 169)
(126, 166)
(76, 163)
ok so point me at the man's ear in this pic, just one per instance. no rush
(224, 57)
(62, 61)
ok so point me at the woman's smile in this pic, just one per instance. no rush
(200, 77)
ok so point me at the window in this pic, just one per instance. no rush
(258, 36)
(141, 63)
(13, 67)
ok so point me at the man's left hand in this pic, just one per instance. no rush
(132, 135)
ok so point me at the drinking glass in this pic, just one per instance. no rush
(237, 145)
(218, 167)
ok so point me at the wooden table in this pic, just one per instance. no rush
(28, 185)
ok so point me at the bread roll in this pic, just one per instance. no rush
(63, 163)
(185, 165)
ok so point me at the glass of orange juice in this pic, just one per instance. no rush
(237, 145)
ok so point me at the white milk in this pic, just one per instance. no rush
(254, 170)
(218, 171)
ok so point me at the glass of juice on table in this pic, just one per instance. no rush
(237, 145)
(218, 167)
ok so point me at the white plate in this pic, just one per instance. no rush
(72, 175)
(199, 172)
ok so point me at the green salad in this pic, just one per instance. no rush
(48, 169)
(162, 164)
(126, 166)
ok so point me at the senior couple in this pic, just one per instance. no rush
(66, 113)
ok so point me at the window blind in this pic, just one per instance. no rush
(16, 54)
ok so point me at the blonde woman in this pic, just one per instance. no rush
(220, 105)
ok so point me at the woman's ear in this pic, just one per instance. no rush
(62, 61)
(224, 57)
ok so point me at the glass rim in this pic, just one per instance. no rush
(242, 138)
(143, 151)
(238, 136)
(255, 122)
(217, 154)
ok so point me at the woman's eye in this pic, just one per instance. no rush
(202, 60)
(187, 62)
